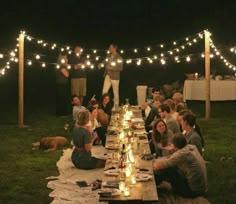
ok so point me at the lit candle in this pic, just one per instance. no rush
(133, 180)
(121, 136)
(122, 186)
(126, 192)
(128, 171)
(131, 156)
(196, 75)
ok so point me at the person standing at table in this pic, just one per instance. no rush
(113, 66)
(62, 85)
(78, 74)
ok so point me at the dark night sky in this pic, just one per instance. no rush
(129, 23)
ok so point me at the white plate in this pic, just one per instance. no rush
(113, 146)
(110, 191)
(143, 177)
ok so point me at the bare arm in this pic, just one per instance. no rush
(65, 72)
(159, 164)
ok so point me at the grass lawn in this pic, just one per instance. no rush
(23, 171)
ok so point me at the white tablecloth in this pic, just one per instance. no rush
(220, 90)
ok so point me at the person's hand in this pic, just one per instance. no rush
(158, 164)
(169, 147)
(108, 68)
(100, 66)
(93, 98)
(94, 136)
(78, 66)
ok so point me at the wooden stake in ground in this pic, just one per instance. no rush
(21, 82)
(207, 74)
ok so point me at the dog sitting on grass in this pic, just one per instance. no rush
(50, 143)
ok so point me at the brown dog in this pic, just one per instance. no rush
(50, 143)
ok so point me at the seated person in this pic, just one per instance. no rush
(77, 107)
(153, 114)
(95, 125)
(150, 101)
(179, 107)
(188, 124)
(164, 112)
(103, 121)
(178, 98)
(82, 139)
(185, 169)
(161, 138)
(172, 106)
(106, 105)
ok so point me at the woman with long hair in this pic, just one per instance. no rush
(161, 138)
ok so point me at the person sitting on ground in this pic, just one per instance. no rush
(185, 169)
(93, 123)
(161, 137)
(103, 120)
(96, 126)
(106, 105)
(164, 112)
(77, 107)
(83, 140)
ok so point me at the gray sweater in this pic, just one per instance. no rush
(116, 62)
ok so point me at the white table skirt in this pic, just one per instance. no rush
(220, 90)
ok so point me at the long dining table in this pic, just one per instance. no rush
(134, 183)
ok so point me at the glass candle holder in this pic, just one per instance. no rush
(122, 186)
(127, 191)
(128, 170)
(132, 180)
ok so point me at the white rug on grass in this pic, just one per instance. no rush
(64, 187)
(65, 190)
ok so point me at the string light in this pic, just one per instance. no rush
(29, 63)
(221, 57)
(148, 59)
(163, 61)
(188, 59)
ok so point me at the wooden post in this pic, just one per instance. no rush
(21, 82)
(207, 74)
